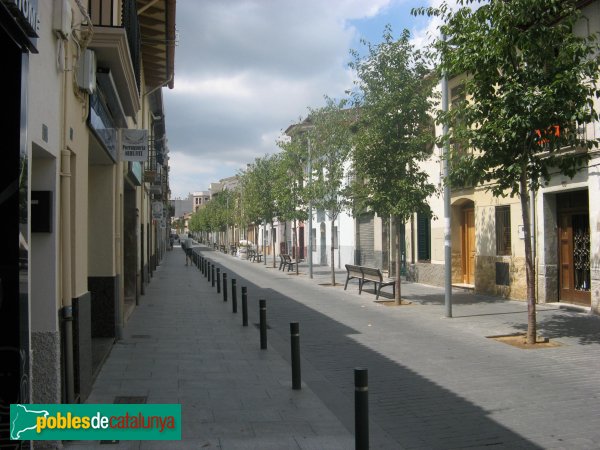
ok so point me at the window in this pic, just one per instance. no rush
(503, 243)
(423, 237)
(314, 240)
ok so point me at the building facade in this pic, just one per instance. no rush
(92, 223)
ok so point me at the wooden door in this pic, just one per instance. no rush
(574, 257)
(468, 247)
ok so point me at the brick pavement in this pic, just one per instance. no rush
(183, 345)
(434, 383)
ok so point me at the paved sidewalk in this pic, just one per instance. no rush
(434, 383)
(183, 345)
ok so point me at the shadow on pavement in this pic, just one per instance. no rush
(586, 329)
(413, 411)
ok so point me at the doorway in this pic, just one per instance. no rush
(468, 245)
(574, 248)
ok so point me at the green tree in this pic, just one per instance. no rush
(329, 141)
(290, 187)
(393, 134)
(255, 192)
(531, 82)
(259, 186)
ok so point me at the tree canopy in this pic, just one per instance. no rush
(530, 77)
(394, 99)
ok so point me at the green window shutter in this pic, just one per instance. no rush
(423, 237)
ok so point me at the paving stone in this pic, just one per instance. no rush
(434, 382)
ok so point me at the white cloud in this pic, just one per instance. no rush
(244, 71)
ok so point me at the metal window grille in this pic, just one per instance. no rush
(503, 239)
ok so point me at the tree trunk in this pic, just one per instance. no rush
(264, 250)
(529, 264)
(296, 255)
(398, 297)
(332, 255)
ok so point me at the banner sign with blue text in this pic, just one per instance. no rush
(95, 422)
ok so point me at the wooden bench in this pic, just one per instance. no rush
(353, 272)
(287, 262)
(370, 274)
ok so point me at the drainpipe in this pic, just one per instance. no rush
(66, 299)
(66, 302)
(118, 252)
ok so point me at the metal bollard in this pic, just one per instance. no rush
(212, 267)
(224, 287)
(263, 323)
(361, 408)
(208, 267)
(234, 295)
(219, 280)
(244, 306)
(295, 346)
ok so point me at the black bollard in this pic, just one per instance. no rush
(361, 408)
(208, 270)
(212, 269)
(263, 323)
(233, 295)
(202, 265)
(219, 280)
(224, 287)
(295, 346)
(244, 306)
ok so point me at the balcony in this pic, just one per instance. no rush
(105, 130)
(116, 42)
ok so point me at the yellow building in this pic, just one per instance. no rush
(98, 211)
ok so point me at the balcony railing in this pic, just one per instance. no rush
(103, 14)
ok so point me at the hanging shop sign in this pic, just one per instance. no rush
(134, 145)
(157, 210)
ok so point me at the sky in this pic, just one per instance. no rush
(247, 69)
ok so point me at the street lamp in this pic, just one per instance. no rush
(310, 243)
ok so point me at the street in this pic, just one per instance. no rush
(433, 382)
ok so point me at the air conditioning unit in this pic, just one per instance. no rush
(62, 18)
(86, 72)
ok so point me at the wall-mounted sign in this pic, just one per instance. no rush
(25, 11)
(134, 145)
